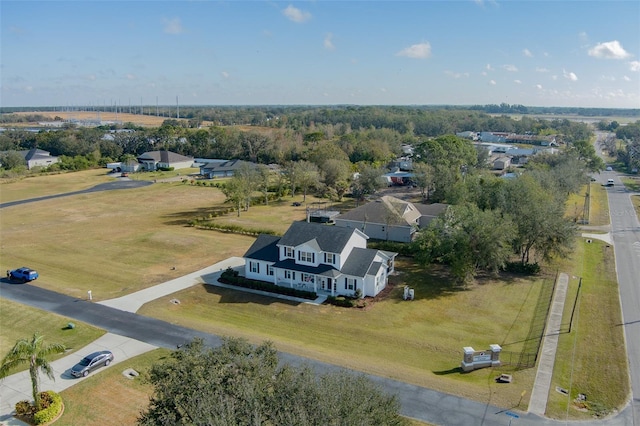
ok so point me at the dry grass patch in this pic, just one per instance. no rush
(116, 242)
(137, 119)
(418, 342)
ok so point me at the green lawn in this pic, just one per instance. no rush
(419, 341)
(19, 321)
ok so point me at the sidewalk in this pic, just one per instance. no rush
(542, 384)
(134, 301)
(17, 387)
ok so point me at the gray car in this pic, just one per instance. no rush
(91, 362)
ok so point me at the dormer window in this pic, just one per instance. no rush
(304, 256)
(329, 258)
(288, 252)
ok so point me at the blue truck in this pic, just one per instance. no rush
(23, 274)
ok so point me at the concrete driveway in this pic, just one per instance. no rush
(17, 387)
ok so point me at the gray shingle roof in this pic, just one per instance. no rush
(328, 238)
(264, 248)
(322, 269)
(359, 262)
(164, 156)
(387, 210)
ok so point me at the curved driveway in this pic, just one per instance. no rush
(109, 186)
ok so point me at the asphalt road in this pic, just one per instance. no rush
(625, 230)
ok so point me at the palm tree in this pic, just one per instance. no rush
(35, 352)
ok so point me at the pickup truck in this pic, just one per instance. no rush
(23, 274)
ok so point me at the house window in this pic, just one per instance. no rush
(287, 274)
(349, 283)
(288, 252)
(308, 278)
(270, 270)
(305, 256)
(254, 267)
(330, 258)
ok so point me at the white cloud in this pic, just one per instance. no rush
(492, 82)
(539, 86)
(570, 76)
(416, 51)
(634, 65)
(609, 50)
(554, 77)
(457, 75)
(539, 69)
(583, 36)
(608, 78)
(510, 68)
(173, 26)
(517, 81)
(527, 53)
(328, 42)
(130, 76)
(625, 78)
(489, 68)
(296, 15)
(224, 74)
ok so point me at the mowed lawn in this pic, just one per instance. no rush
(416, 341)
(18, 321)
(115, 242)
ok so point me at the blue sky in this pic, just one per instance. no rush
(535, 53)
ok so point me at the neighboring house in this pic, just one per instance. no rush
(217, 168)
(154, 160)
(501, 163)
(390, 218)
(37, 158)
(325, 259)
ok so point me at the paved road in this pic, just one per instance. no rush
(625, 230)
(416, 402)
(626, 238)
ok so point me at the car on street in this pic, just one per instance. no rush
(610, 182)
(609, 169)
(91, 362)
(23, 274)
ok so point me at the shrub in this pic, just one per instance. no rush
(53, 403)
(404, 249)
(23, 408)
(522, 268)
(341, 301)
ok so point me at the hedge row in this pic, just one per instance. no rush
(231, 276)
(235, 229)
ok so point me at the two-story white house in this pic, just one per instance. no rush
(321, 258)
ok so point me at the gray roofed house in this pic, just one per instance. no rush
(389, 218)
(154, 160)
(226, 168)
(36, 158)
(321, 258)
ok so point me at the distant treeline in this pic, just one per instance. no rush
(399, 118)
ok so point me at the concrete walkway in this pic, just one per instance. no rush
(17, 387)
(134, 301)
(542, 384)
(603, 237)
